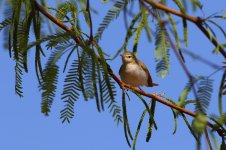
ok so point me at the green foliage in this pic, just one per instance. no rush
(175, 35)
(13, 39)
(138, 128)
(151, 122)
(185, 27)
(185, 93)
(218, 26)
(205, 88)
(180, 5)
(83, 78)
(151, 114)
(18, 75)
(53, 40)
(48, 83)
(223, 146)
(5, 23)
(190, 128)
(139, 29)
(222, 91)
(48, 87)
(23, 39)
(184, 21)
(129, 34)
(108, 91)
(199, 123)
(71, 90)
(196, 4)
(161, 51)
(64, 9)
(111, 14)
(125, 121)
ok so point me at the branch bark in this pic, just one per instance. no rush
(119, 82)
(196, 20)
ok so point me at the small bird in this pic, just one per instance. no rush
(134, 72)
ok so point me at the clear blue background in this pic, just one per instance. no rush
(23, 127)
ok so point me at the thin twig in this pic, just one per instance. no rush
(199, 58)
(196, 20)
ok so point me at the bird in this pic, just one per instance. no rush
(134, 72)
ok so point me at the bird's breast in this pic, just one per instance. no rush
(134, 75)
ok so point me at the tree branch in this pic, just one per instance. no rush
(119, 82)
(59, 23)
(90, 20)
(196, 20)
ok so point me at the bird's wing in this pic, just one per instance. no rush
(144, 67)
(120, 70)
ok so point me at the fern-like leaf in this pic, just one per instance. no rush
(71, 90)
(14, 27)
(195, 4)
(150, 125)
(161, 51)
(222, 91)
(48, 86)
(50, 77)
(65, 8)
(111, 15)
(125, 121)
(175, 35)
(108, 87)
(139, 29)
(138, 128)
(18, 74)
(180, 5)
(24, 38)
(185, 93)
(87, 75)
(109, 93)
(129, 34)
(53, 40)
(190, 128)
(5, 23)
(205, 88)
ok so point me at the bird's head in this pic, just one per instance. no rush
(128, 57)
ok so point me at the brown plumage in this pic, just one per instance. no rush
(135, 72)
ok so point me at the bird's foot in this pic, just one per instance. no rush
(160, 94)
(123, 87)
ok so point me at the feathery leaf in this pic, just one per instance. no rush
(18, 74)
(70, 93)
(125, 120)
(222, 91)
(48, 87)
(205, 88)
(111, 14)
(138, 128)
(161, 51)
(139, 29)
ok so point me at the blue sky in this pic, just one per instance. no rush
(24, 127)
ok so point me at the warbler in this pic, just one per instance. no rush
(134, 72)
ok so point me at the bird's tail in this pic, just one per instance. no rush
(154, 84)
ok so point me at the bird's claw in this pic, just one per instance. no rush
(160, 94)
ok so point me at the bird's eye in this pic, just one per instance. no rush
(129, 56)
